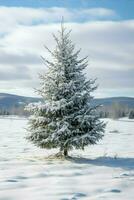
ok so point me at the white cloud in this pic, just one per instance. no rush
(109, 44)
(100, 12)
(10, 17)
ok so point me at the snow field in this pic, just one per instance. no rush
(103, 171)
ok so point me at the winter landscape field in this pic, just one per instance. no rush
(103, 171)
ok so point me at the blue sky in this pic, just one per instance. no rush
(125, 8)
(104, 29)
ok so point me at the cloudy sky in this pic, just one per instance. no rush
(104, 29)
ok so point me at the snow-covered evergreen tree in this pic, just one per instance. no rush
(65, 119)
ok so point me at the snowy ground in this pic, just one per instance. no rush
(104, 171)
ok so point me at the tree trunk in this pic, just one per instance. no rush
(65, 152)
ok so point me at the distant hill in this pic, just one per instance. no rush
(128, 101)
(8, 101)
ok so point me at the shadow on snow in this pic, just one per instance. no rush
(125, 163)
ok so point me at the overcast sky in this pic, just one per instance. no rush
(104, 31)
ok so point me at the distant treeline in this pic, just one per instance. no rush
(15, 110)
(114, 111)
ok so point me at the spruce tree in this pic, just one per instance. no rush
(65, 118)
